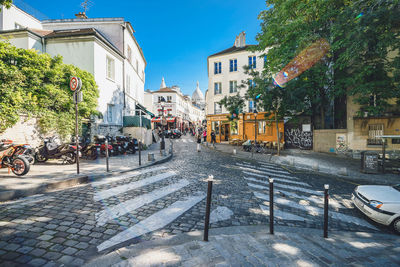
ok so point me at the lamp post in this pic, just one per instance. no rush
(162, 103)
(255, 126)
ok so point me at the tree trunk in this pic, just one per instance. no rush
(277, 132)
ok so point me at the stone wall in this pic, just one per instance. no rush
(140, 133)
(25, 131)
(327, 140)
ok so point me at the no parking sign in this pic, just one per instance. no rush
(75, 83)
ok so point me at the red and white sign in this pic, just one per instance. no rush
(75, 84)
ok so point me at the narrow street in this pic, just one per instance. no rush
(75, 225)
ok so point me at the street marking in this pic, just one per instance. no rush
(282, 214)
(315, 211)
(264, 172)
(273, 170)
(305, 190)
(273, 175)
(130, 205)
(220, 214)
(125, 176)
(313, 198)
(155, 221)
(283, 180)
(245, 164)
(127, 187)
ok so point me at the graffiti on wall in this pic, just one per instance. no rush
(341, 144)
(297, 138)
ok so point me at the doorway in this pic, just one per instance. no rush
(225, 132)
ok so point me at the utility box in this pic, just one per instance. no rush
(369, 162)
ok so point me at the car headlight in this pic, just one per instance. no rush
(376, 204)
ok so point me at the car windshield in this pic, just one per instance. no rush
(397, 187)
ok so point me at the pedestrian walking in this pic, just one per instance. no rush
(213, 138)
(198, 138)
(205, 136)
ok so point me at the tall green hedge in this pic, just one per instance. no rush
(38, 85)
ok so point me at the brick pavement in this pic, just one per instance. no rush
(254, 246)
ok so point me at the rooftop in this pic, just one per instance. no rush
(232, 49)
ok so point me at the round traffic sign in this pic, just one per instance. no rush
(75, 83)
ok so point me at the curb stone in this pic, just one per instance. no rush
(82, 179)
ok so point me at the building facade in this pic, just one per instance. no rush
(180, 110)
(105, 47)
(225, 76)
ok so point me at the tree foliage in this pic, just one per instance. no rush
(5, 3)
(38, 85)
(234, 104)
(362, 35)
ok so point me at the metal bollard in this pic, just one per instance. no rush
(208, 207)
(198, 147)
(140, 153)
(326, 202)
(234, 151)
(107, 163)
(271, 205)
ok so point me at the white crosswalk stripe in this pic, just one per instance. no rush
(282, 214)
(126, 176)
(266, 172)
(277, 179)
(130, 205)
(127, 187)
(305, 190)
(245, 164)
(154, 222)
(315, 211)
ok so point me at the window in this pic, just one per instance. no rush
(18, 26)
(109, 113)
(252, 106)
(217, 67)
(217, 108)
(234, 127)
(110, 68)
(252, 62)
(128, 85)
(129, 54)
(215, 127)
(169, 99)
(217, 88)
(374, 130)
(252, 84)
(233, 65)
(232, 86)
(262, 125)
(265, 60)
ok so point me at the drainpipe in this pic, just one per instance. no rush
(123, 67)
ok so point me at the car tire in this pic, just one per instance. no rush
(396, 225)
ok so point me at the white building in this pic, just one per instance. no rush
(179, 109)
(105, 47)
(226, 73)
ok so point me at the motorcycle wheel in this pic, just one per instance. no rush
(20, 166)
(92, 154)
(40, 158)
(69, 158)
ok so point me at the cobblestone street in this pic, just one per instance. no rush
(75, 225)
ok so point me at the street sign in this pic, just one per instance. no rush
(78, 97)
(75, 83)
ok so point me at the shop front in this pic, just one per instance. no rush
(244, 128)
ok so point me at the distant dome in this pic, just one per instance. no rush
(197, 95)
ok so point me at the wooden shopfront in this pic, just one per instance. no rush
(244, 128)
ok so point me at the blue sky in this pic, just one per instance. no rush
(176, 35)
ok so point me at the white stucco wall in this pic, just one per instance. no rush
(15, 15)
(225, 76)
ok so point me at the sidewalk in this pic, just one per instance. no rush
(254, 246)
(53, 175)
(313, 161)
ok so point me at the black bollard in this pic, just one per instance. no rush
(271, 206)
(208, 207)
(140, 153)
(326, 202)
(107, 164)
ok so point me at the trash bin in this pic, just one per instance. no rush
(369, 162)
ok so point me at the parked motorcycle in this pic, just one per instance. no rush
(175, 134)
(88, 149)
(99, 141)
(12, 157)
(52, 148)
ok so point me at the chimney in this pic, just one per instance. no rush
(81, 15)
(240, 40)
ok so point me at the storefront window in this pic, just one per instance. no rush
(215, 127)
(262, 127)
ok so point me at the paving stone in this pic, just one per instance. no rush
(37, 252)
(24, 259)
(37, 262)
(44, 244)
(73, 230)
(45, 237)
(84, 232)
(69, 251)
(66, 259)
(70, 243)
(11, 247)
(24, 249)
(52, 255)
(82, 245)
(57, 247)
(10, 255)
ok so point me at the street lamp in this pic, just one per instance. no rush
(255, 127)
(162, 103)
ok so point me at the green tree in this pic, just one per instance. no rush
(5, 3)
(38, 85)
(234, 104)
(361, 34)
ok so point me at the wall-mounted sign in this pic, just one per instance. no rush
(306, 127)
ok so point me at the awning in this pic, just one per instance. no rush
(156, 119)
(171, 119)
(138, 106)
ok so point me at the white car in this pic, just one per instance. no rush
(381, 203)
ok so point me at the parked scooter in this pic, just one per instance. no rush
(12, 157)
(52, 148)
(88, 149)
(99, 141)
